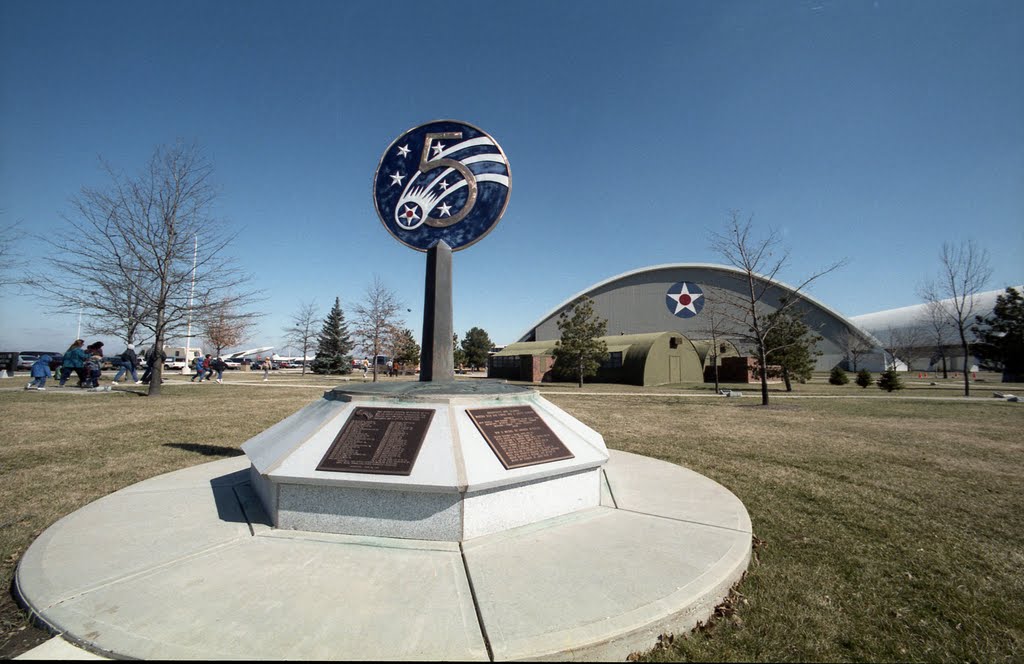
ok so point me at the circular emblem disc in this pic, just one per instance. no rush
(684, 299)
(444, 180)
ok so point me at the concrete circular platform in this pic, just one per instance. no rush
(185, 566)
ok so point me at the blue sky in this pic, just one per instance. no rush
(873, 131)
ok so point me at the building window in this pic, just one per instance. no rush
(613, 361)
(673, 342)
(504, 361)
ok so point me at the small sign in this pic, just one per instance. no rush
(444, 180)
(383, 441)
(518, 436)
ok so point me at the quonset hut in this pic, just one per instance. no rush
(655, 358)
(668, 301)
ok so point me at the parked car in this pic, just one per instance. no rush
(25, 360)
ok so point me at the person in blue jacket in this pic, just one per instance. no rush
(40, 372)
(74, 360)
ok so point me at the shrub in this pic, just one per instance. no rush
(863, 377)
(838, 377)
(889, 381)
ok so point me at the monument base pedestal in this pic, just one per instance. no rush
(457, 486)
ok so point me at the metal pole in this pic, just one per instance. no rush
(436, 361)
(191, 294)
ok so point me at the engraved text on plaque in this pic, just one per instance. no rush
(384, 441)
(518, 436)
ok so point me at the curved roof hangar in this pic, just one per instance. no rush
(636, 302)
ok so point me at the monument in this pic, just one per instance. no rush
(439, 519)
(437, 459)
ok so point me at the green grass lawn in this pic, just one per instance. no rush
(890, 528)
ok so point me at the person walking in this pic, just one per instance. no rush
(129, 364)
(153, 356)
(40, 372)
(93, 364)
(266, 369)
(74, 360)
(219, 365)
(56, 361)
(199, 364)
(208, 365)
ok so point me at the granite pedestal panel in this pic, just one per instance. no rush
(457, 489)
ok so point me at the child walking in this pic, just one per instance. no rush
(40, 372)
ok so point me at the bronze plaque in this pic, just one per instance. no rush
(518, 436)
(384, 441)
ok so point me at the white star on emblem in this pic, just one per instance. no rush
(409, 212)
(438, 148)
(444, 185)
(685, 300)
(446, 210)
(397, 179)
(404, 150)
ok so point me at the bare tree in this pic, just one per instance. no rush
(963, 275)
(140, 251)
(940, 332)
(10, 235)
(224, 326)
(901, 343)
(854, 347)
(716, 328)
(303, 330)
(759, 262)
(376, 319)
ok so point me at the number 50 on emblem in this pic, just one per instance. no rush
(444, 180)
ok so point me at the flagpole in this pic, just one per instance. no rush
(191, 294)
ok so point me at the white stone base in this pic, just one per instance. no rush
(457, 490)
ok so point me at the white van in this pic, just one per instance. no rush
(178, 358)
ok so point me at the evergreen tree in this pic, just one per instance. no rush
(476, 346)
(863, 377)
(791, 344)
(404, 349)
(333, 344)
(889, 381)
(458, 355)
(1001, 337)
(579, 352)
(838, 377)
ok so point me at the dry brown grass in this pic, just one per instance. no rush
(893, 530)
(892, 527)
(61, 451)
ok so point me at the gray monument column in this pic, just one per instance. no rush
(437, 363)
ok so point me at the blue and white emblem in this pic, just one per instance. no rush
(443, 180)
(684, 299)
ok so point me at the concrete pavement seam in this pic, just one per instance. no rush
(678, 520)
(476, 605)
(142, 572)
(608, 484)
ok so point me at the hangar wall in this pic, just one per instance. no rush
(914, 324)
(635, 303)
